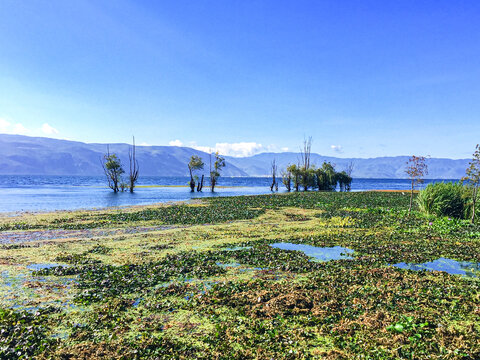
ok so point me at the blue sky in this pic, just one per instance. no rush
(363, 78)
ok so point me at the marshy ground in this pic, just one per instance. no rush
(203, 281)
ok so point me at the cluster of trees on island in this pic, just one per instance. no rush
(305, 176)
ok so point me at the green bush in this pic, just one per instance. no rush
(444, 199)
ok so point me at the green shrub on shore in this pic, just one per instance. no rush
(444, 199)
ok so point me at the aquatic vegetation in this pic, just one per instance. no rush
(247, 285)
(350, 313)
(22, 334)
(215, 210)
(98, 281)
(175, 214)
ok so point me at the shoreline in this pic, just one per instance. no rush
(27, 213)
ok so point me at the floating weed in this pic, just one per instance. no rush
(171, 301)
(23, 335)
(161, 247)
(99, 282)
(99, 249)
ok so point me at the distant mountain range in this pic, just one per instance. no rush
(24, 155)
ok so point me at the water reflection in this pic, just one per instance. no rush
(450, 266)
(319, 253)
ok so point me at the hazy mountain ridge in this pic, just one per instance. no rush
(23, 155)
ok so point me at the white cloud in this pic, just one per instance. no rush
(206, 149)
(337, 148)
(240, 149)
(49, 130)
(19, 129)
(145, 144)
(4, 125)
(14, 129)
(284, 149)
(175, 143)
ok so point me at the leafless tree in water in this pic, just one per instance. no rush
(274, 175)
(133, 166)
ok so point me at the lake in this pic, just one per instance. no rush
(49, 193)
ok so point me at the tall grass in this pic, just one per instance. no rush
(444, 199)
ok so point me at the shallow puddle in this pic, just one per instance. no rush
(450, 266)
(319, 253)
(38, 267)
(227, 265)
(22, 290)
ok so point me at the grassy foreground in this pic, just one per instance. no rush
(201, 282)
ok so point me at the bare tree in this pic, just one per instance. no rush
(347, 181)
(416, 169)
(133, 166)
(305, 154)
(349, 168)
(473, 178)
(274, 175)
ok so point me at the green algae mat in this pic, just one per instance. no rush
(290, 276)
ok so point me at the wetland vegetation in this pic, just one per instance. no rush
(216, 280)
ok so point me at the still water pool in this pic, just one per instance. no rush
(450, 266)
(319, 253)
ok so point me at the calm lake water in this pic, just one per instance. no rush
(48, 193)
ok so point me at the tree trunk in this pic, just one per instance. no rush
(192, 181)
(200, 184)
(213, 181)
(411, 200)
(474, 201)
(288, 184)
(115, 182)
(133, 166)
